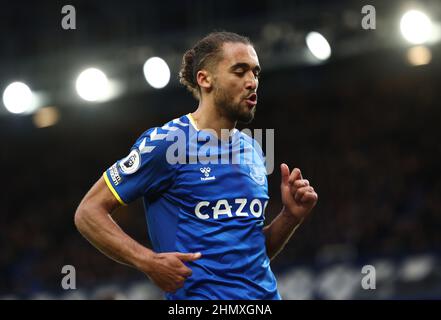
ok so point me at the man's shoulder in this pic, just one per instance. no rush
(160, 133)
(156, 140)
(181, 123)
(251, 147)
(249, 141)
(244, 136)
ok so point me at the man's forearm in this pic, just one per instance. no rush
(279, 231)
(99, 229)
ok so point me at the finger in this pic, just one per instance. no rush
(299, 193)
(309, 197)
(284, 170)
(179, 279)
(179, 283)
(186, 272)
(303, 190)
(295, 175)
(300, 183)
(188, 256)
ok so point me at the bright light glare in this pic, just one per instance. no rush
(318, 45)
(419, 56)
(416, 27)
(46, 117)
(92, 85)
(156, 72)
(18, 98)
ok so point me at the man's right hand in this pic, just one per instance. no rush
(168, 271)
(93, 220)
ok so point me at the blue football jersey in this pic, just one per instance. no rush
(202, 194)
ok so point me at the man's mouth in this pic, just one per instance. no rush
(251, 99)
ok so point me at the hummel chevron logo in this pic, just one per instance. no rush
(157, 136)
(177, 121)
(166, 127)
(145, 149)
(154, 136)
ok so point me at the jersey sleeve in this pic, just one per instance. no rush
(145, 171)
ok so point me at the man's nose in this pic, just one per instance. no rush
(252, 82)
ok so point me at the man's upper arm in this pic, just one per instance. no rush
(100, 195)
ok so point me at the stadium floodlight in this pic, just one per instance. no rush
(156, 72)
(416, 27)
(419, 55)
(318, 45)
(46, 117)
(18, 98)
(92, 85)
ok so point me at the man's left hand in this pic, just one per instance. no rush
(298, 197)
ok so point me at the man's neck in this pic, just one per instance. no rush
(208, 117)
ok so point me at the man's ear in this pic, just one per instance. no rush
(204, 79)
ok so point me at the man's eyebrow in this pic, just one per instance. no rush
(245, 66)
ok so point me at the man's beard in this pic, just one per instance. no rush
(228, 108)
